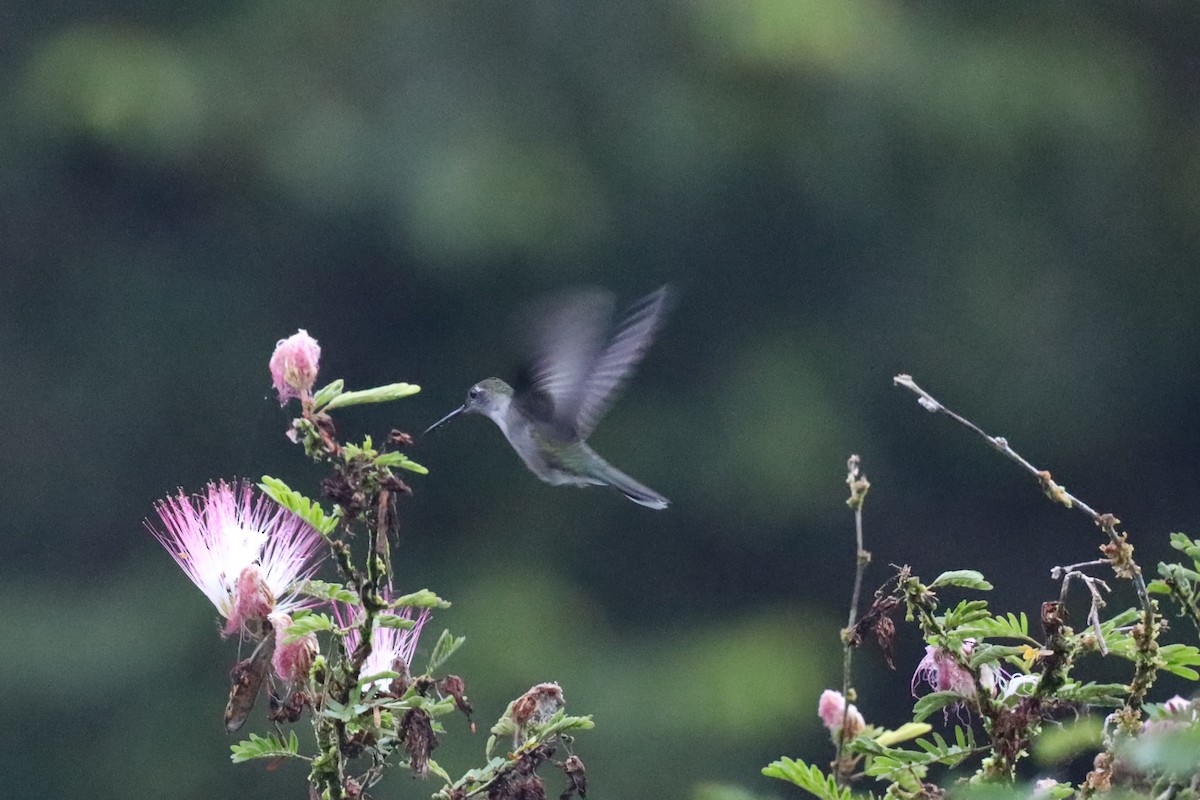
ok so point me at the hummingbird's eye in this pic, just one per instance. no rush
(473, 393)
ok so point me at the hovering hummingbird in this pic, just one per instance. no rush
(577, 362)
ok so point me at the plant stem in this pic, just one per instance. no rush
(859, 485)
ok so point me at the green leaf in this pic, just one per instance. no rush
(1157, 586)
(472, 780)
(443, 649)
(1091, 693)
(559, 723)
(505, 727)
(1126, 617)
(335, 710)
(966, 578)
(398, 459)
(367, 680)
(438, 770)
(709, 790)
(1178, 572)
(309, 623)
(394, 621)
(1008, 626)
(992, 653)
(270, 746)
(909, 730)
(1181, 541)
(422, 598)
(907, 773)
(308, 510)
(934, 701)
(1058, 744)
(966, 612)
(964, 737)
(1120, 642)
(808, 778)
(327, 393)
(436, 708)
(380, 394)
(908, 767)
(1179, 659)
(328, 591)
(1184, 672)
(1187, 545)
(353, 452)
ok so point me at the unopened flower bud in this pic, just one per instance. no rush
(400, 684)
(538, 705)
(456, 688)
(292, 660)
(252, 601)
(294, 366)
(837, 717)
(830, 708)
(854, 722)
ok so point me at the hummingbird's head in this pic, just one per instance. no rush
(490, 397)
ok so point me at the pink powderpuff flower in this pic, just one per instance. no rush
(392, 649)
(292, 660)
(241, 549)
(1175, 714)
(294, 366)
(943, 673)
(1177, 705)
(835, 716)
(1043, 787)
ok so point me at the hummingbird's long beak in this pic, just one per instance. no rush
(449, 416)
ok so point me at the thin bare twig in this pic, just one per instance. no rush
(1053, 490)
(859, 485)
(1094, 585)
(1118, 552)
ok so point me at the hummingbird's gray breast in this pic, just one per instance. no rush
(555, 461)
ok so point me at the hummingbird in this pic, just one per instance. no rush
(576, 363)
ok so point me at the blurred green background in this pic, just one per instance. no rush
(999, 198)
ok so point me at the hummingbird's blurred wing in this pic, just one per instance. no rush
(578, 362)
(625, 349)
(564, 337)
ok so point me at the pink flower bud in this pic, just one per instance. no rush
(294, 366)
(292, 660)
(252, 601)
(830, 708)
(835, 716)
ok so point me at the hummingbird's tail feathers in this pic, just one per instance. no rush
(639, 493)
(646, 497)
